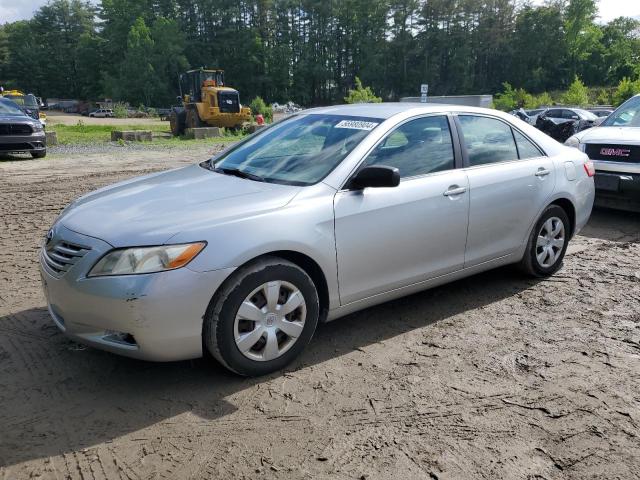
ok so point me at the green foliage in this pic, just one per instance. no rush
(361, 94)
(626, 89)
(542, 100)
(577, 94)
(510, 98)
(120, 110)
(259, 107)
(309, 51)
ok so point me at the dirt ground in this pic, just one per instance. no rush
(496, 376)
(73, 118)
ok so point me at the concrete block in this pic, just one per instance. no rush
(254, 128)
(132, 135)
(52, 138)
(205, 132)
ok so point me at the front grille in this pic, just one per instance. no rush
(229, 102)
(15, 129)
(15, 147)
(61, 256)
(613, 153)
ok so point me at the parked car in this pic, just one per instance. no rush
(614, 147)
(19, 132)
(601, 112)
(560, 122)
(325, 213)
(533, 115)
(102, 113)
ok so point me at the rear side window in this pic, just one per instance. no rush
(526, 149)
(554, 114)
(418, 147)
(487, 140)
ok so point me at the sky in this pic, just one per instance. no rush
(11, 10)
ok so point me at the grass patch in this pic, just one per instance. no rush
(82, 134)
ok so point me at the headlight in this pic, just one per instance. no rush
(129, 261)
(572, 142)
(37, 127)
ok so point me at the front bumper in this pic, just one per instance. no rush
(36, 142)
(618, 190)
(154, 317)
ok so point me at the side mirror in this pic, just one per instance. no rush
(375, 176)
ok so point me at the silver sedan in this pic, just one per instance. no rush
(325, 213)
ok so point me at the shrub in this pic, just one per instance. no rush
(120, 110)
(511, 98)
(259, 107)
(543, 100)
(361, 94)
(577, 94)
(625, 90)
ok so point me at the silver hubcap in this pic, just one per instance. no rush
(270, 321)
(550, 242)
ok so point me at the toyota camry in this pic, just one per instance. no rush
(325, 213)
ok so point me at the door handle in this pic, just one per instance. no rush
(542, 172)
(454, 190)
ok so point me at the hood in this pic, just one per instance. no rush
(150, 210)
(610, 135)
(16, 119)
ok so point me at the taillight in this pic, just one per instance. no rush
(589, 168)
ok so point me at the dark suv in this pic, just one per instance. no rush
(19, 132)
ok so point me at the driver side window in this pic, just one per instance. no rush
(418, 147)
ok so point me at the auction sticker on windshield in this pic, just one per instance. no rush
(356, 125)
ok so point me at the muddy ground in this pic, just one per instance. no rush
(496, 376)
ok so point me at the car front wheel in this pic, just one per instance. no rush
(548, 243)
(262, 317)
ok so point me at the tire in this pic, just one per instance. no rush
(177, 122)
(193, 119)
(223, 324)
(554, 218)
(40, 154)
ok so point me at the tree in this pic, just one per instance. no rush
(310, 51)
(625, 90)
(58, 27)
(582, 35)
(577, 94)
(539, 49)
(361, 94)
(136, 80)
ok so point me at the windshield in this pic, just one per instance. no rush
(299, 151)
(628, 115)
(7, 107)
(28, 101)
(585, 114)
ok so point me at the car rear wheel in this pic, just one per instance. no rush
(262, 317)
(548, 243)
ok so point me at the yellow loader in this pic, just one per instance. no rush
(207, 102)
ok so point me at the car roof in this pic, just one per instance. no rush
(388, 110)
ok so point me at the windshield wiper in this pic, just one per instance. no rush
(238, 173)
